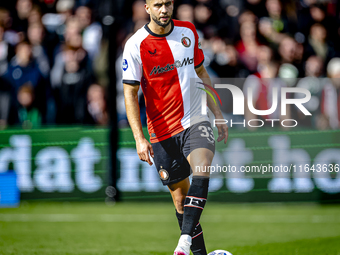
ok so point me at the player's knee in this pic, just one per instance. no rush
(205, 162)
(202, 168)
(202, 162)
(179, 203)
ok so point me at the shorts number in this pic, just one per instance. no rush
(207, 132)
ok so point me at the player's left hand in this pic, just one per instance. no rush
(222, 132)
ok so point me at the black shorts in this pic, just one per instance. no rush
(171, 154)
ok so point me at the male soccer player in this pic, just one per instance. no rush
(162, 57)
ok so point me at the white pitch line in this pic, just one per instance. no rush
(167, 218)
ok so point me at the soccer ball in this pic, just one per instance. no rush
(220, 252)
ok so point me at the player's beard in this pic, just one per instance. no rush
(159, 23)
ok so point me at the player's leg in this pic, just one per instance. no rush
(199, 150)
(196, 198)
(179, 192)
(173, 169)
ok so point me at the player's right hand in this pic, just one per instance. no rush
(222, 132)
(143, 149)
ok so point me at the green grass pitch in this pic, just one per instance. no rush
(151, 228)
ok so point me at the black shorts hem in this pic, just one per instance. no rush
(168, 182)
(201, 147)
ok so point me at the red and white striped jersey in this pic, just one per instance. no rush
(164, 65)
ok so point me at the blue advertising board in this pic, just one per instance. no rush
(9, 192)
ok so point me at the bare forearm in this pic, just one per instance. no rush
(214, 107)
(133, 112)
(143, 147)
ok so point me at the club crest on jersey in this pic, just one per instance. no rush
(169, 67)
(163, 174)
(186, 42)
(125, 64)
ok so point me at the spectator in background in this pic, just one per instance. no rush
(34, 15)
(70, 78)
(264, 56)
(55, 26)
(20, 22)
(70, 28)
(6, 51)
(35, 34)
(56, 22)
(24, 69)
(185, 12)
(314, 67)
(91, 31)
(276, 25)
(314, 84)
(317, 13)
(228, 12)
(28, 115)
(267, 30)
(97, 112)
(278, 17)
(138, 11)
(247, 16)
(247, 47)
(138, 18)
(256, 6)
(330, 98)
(203, 20)
(317, 43)
(291, 65)
(64, 8)
(6, 20)
(225, 62)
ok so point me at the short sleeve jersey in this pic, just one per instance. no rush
(164, 65)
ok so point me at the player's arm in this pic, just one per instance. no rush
(133, 114)
(222, 128)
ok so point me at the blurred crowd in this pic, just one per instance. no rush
(54, 64)
(52, 69)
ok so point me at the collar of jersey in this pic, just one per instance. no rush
(157, 35)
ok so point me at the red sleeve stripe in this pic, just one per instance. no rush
(199, 64)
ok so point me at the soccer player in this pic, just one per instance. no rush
(162, 57)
